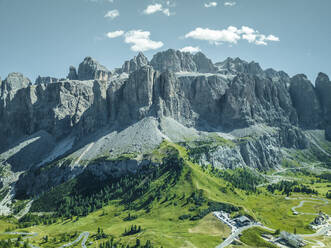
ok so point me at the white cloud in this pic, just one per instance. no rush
(166, 12)
(230, 4)
(140, 41)
(210, 4)
(214, 36)
(231, 35)
(112, 14)
(154, 8)
(115, 34)
(272, 38)
(190, 49)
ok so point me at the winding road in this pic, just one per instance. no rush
(305, 200)
(83, 236)
(236, 233)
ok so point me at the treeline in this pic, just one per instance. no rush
(132, 230)
(198, 200)
(286, 187)
(31, 219)
(112, 244)
(85, 198)
(14, 244)
(241, 178)
(325, 176)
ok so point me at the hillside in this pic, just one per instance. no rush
(150, 150)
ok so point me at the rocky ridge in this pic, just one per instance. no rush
(176, 96)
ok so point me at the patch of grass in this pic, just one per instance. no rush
(252, 237)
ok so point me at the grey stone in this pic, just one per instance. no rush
(237, 65)
(72, 75)
(174, 61)
(203, 64)
(305, 102)
(46, 80)
(323, 89)
(136, 63)
(15, 81)
(90, 69)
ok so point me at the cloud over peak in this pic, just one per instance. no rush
(190, 49)
(231, 35)
(140, 41)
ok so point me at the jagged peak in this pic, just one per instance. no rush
(175, 60)
(46, 80)
(235, 65)
(91, 69)
(15, 81)
(322, 77)
(135, 63)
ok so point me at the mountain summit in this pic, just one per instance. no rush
(64, 125)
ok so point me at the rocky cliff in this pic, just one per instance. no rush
(176, 96)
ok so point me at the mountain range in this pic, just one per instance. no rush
(107, 122)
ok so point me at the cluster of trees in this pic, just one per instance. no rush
(31, 219)
(241, 178)
(100, 234)
(328, 195)
(132, 230)
(14, 244)
(112, 244)
(80, 199)
(325, 176)
(199, 200)
(286, 187)
(130, 217)
(200, 148)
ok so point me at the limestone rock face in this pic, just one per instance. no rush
(56, 108)
(323, 89)
(14, 82)
(46, 80)
(174, 61)
(305, 102)
(134, 64)
(177, 61)
(72, 75)
(252, 99)
(90, 69)
(237, 65)
(177, 96)
(203, 64)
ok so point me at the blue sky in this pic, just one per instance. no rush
(44, 37)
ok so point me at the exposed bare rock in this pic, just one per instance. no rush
(323, 89)
(178, 96)
(90, 69)
(46, 80)
(237, 65)
(174, 61)
(136, 63)
(305, 102)
(72, 75)
(14, 82)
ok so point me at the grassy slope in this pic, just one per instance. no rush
(162, 226)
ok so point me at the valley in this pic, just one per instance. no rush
(167, 219)
(149, 154)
